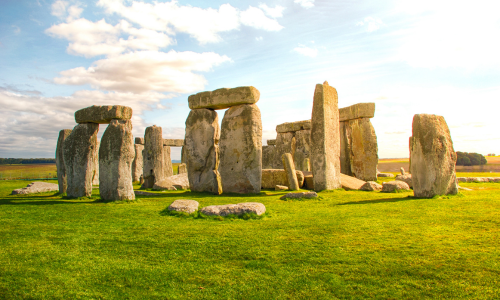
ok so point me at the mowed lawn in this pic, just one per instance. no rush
(346, 245)
(28, 171)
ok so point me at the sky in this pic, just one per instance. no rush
(408, 57)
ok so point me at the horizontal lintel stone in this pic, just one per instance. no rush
(173, 142)
(103, 114)
(271, 142)
(294, 126)
(224, 98)
(139, 141)
(357, 111)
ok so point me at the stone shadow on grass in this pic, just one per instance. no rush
(383, 200)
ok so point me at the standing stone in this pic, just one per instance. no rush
(153, 164)
(302, 149)
(285, 143)
(307, 165)
(95, 177)
(116, 155)
(268, 156)
(363, 149)
(169, 170)
(137, 163)
(183, 157)
(432, 157)
(325, 140)
(78, 153)
(201, 151)
(345, 155)
(61, 169)
(182, 169)
(241, 149)
(289, 167)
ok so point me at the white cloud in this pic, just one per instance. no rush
(259, 38)
(306, 51)
(143, 71)
(256, 18)
(370, 23)
(62, 9)
(305, 3)
(17, 30)
(276, 12)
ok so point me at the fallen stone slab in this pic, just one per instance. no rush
(306, 195)
(179, 182)
(357, 111)
(280, 188)
(478, 179)
(224, 98)
(406, 178)
(234, 209)
(293, 126)
(271, 142)
(385, 175)
(392, 186)
(173, 142)
(183, 205)
(139, 141)
(291, 174)
(103, 114)
(350, 183)
(37, 187)
(273, 177)
(371, 186)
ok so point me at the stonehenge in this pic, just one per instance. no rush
(61, 169)
(153, 158)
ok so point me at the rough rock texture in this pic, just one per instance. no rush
(478, 179)
(432, 157)
(302, 150)
(116, 155)
(61, 169)
(268, 157)
(169, 170)
(325, 140)
(234, 209)
(351, 183)
(285, 143)
(137, 167)
(95, 176)
(78, 153)
(294, 126)
(224, 98)
(345, 154)
(280, 188)
(291, 176)
(153, 157)
(308, 181)
(363, 149)
(173, 142)
(357, 111)
(392, 186)
(139, 140)
(241, 149)
(390, 175)
(182, 205)
(37, 187)
(201, 151)
(179, 182)
(405, 178)
(306, 195)
(274, 177)
(103, 114)
(271, 142)
(371, 186)
(182, 169)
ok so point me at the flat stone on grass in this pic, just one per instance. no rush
(36, 187)
(182, 205)
(234, 209)
(371, 186)
(393, 186)
(306, 195)
(280, 188)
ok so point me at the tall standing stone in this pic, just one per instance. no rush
(95, 177)
(325, 140)
(433, 158)
(345, 155)
(61, 169)
(116, 154)
(137, 167)
(241, 149)
(169, 171)
(302, 149)
(288, 165)
(153, 164)
(201, 151)
(78, 153)
(363, 149)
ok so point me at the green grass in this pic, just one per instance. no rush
(347, 245)
(28, 171)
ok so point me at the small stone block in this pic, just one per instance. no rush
(103, 114)
(392, 186)
(357, 111)
(139, 141)
(306, 195)
(224, 98)
(281, 188)
(271, 142)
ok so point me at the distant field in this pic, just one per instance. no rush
(395, 164)
(28, 171)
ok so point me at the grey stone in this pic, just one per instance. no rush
(371, 186)
(392, 186)
(61, 169)
(169, 170)
(139, 141)
(285, 143)
(201, 151)
(432, 157)
(306, 195)
(234, 209)
(103, 114)
(271, 142)
(137, 164)
(274, 177)
(36, 187)
(302, 150)
(173, 142)
(241, 150)
(224, 98)
(345, 154)
(406, 178)
(325, 140)
(351, 183)
(357, 111)
(79, 155)
(182, 169)
(289, 167)
(116, 155)
(95, 176)
(268, 156)
(153, 157)
(363, 149)
(280, 188)
(182, 205)
(179, 182)
(294, 126)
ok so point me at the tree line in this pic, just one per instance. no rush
(24, 161)
(470, 159)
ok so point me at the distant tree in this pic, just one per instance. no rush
(470, 159)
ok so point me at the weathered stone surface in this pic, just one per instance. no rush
(271, 142)
(182, 205)
(285, 143)
(61, 169)
(405, 178)
(390, 175)
(95, 176)
(142, 193)
(224, 98)
(274, 177)
(280, 188)
(291, 176)
(345, 155)
(201, 151)
(432, 157)
(371, 186)
(268, 156)
(234, 209)
(294, 126)
(392, 186)
(179, 182)
(325, 140)
(478, 179)
(153, 157)
(169, 170)
(302, 150)
(357, 111)
(182, 169)
(306, 195)
(37, 187)
(363, 149)
(137, 167)
(173, 142)
(79, 155)
(350, 183)
(308, 181)
(103, 114)
(241, 150)
(116, 155)
(139, 141)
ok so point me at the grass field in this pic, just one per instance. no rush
(28, 171)
(345, 245)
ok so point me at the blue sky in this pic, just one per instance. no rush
(409, 57)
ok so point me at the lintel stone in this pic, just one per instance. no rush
(173, 142)
(103, 114)
(294, 126)
(139, 141)
(224, 98)
(357, 111)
